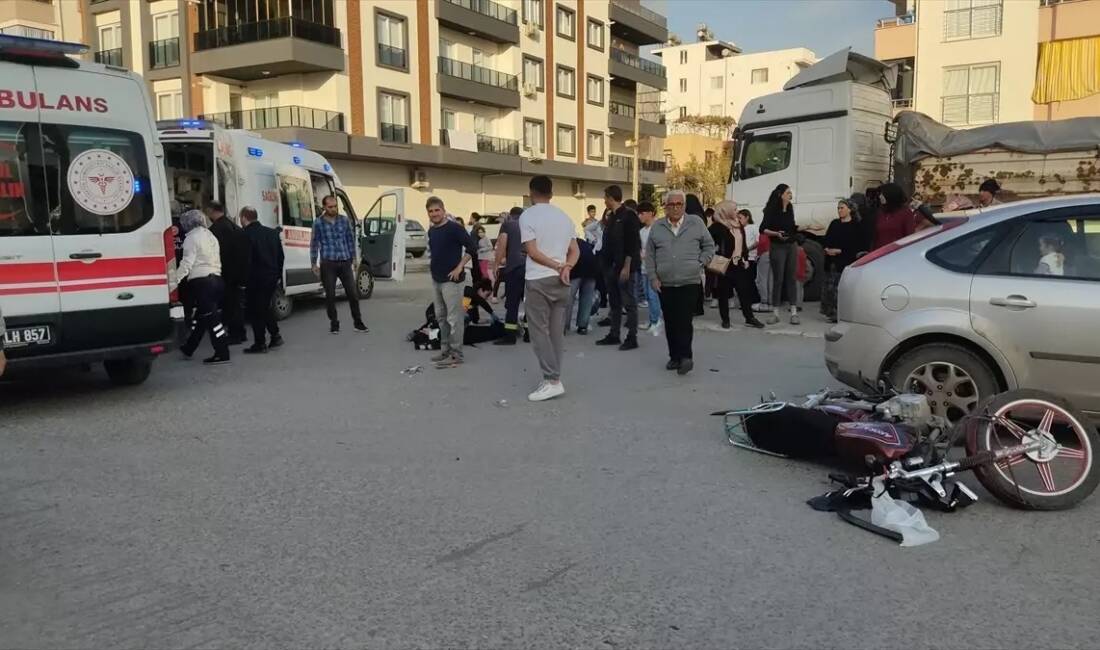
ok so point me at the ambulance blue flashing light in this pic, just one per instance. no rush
(45, 45)
(297, 145)
(297, 160)
(256, 152)
(192, 124)
(137, 186)
(327, 167)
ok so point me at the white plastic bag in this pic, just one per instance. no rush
(899, 516)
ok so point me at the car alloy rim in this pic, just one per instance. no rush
(951, 391)
(1061, 463)
(282, 303)
(364, 282)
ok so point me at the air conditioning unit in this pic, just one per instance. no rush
(419, 179)
(530, 90)
(530, 29)
(578, 189)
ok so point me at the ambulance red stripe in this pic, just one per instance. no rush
(75, 270)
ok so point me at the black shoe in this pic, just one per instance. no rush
(334, 327)
(215, 360)
(507, 339)
(604, 322)
(753, 322)
(685, 367)
(582, 330)
(609, 340)
(725, 324)
(361, 327)
(526, 336)
(630, 343)
(256, 348)
(672, 364)
(276, 341)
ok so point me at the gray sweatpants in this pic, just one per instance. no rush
(449, 313)
(784, 272)
(546, 302)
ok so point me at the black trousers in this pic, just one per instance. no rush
(207, 293)
(474, 334)
(330, 271)
(621, 296)
(736, 279)
(233, 310)
(258, 307)
(514, 281)
(678, 310)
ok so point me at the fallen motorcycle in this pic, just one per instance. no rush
(1028, 448)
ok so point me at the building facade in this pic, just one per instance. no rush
(463, 99)
(974, 62)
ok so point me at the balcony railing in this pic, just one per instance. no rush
(110, 57)
(619, 108)
(266, 30)
(279, 117)
(635, 61)
(638, 10)
(620, 161)
(164, 53)
(487, 144)
(394, 57)
(398, 133)
(478, 74)
(980, 108)
(894, 21)
(905, 102)
(490, 9)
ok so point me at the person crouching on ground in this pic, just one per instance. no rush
(451, 248)
(678, 249)
(202, 266)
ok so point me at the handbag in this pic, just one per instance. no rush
(718, 265)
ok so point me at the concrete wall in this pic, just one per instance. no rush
(895, 42)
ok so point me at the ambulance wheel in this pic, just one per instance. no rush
(281, 305)
(365, 281)
(128, 372)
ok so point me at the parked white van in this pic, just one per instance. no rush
(285, 184)
(86, 250)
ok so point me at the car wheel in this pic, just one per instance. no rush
(815, 269)
(418, 254)
(364, 279)
(954, 379)
(128, 372)
(281, 305)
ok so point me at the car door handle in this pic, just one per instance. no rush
(1019, 302)
(85, 256)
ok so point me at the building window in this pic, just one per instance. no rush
(27, 32)
(567, 23)
(534, 136)
(532, 12)
(683, 85)
(760, 76)
(390, 32)
(715, 109)
(393, 117)
(449, 120)
(594, 90)
(567, 82)
(448, 49)
(477, 57)
(170, 105)
(595, 34)
(971, 19)
(683, 112)
(594, 145)
(683, 56)
(971, 94)
(567, 140)
(716, 82)
(532, 72)
(481, 125)
(166, 25)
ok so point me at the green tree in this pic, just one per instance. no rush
(705, 180)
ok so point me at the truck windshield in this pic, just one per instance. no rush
(765, 154)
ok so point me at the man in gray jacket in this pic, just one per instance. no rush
(678, 249)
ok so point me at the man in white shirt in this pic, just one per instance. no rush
(547, 236)
(202, 266)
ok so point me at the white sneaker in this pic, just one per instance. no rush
(546, 390)
(644, 325)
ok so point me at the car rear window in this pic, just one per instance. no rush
(964, 253)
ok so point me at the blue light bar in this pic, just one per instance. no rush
(327, 167)
(297, 160)
(297, 145)
(137, 186)
(256, 152)
(8, 41)
(192, 124)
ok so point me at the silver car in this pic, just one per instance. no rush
(416, 239)
(1004, 298)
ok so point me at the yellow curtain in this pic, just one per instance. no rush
(1068, 69)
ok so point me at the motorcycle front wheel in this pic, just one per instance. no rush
(1059, 475)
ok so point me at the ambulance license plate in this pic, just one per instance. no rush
(18, 337)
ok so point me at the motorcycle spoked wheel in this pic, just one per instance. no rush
(1055, 478)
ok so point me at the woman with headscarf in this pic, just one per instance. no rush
(201, 265)
(895, 218)
(779, 226)
(729, 241)
(843, 241)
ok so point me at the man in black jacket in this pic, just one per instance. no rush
(265, 272)
(621, 257)
(234, 250)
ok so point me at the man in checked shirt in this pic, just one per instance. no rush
(332, 254)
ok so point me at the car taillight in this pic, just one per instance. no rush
(883, 251)
(170, 264)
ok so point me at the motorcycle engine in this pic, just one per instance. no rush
(910, 409)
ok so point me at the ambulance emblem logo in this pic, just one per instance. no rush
(101, 182)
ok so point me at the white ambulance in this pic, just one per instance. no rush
(285, 183)
(86, 250)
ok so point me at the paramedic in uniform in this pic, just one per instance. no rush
(234, 257)
(265, 271)
(201, 265)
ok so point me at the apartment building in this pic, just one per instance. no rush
(973, 62)
(463, 99)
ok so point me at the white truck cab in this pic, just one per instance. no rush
(285, 183)
(86, 250)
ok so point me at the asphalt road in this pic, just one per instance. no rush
(318, 497)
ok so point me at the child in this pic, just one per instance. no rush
(1051, 260)
(485, 254)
